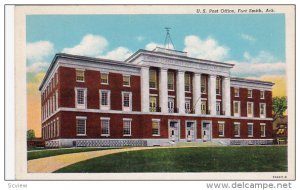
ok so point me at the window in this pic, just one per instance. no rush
(218, 85)
(236, 108)
(218, 107)
(203, 84)
(263, 130)
(152, 79)
(79, 75)
(203, 107)
(152, 104)
(104, 78)
(236, 92)
(81, 126)
(58, 127)
(171, 105)
(127, 127)
(262, 94)
(187, 82)
(249, 93)
(126, 80)
(236, 129)
(104, 126)
(188, 105)
(126, 101)
(221, 128)
(104, 99)
(155, 127)
(80, 98)
(250, 109)
(262, 111)
(170, 81)
(250, 129)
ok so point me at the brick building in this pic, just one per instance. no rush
(158, 97)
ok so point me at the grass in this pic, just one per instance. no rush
(49, 152)
(195, 159)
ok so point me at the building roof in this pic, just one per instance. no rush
(252, 81)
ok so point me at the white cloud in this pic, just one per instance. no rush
(152, 45)
(262, 57)
(37, 67)
(90, 45)
(120, 53)
(37, 51)
(205, 49)
(248, 37)
(140, 38)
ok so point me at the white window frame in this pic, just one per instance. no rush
(155, 78)
(81, 118)
(238, 92)
(101, 127)
(130, 101)
(264, 133)
(126, 76)
(158, 121)
(130, 126)
(81, 106)
(251, 124)
(104, 73)
(265, 109)
(251, 94)
(252, 109)
(223, 126)
(239, 131)
(239, 109)
(189, 82)
(104, 107)
(80, 70)
(172, 80)
(171, 101)
(262, 94)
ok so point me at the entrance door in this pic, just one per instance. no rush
(190, 131)
(174, 131)
(206, 131)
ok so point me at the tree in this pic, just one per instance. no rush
(30, 134)
(279, 106)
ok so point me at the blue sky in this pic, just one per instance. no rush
(240, 39)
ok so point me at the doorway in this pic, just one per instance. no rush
(206, 131)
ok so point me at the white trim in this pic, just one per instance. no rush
(237, 123)
(81, 70)
(127, 119)
(263, 92)
(129, 80)
(250, 89)
(127, 109)
(221, 121)
(234, 88)
(155, 120)
(195, 129)
(263, 124)
(189, 98)
(153, 94)
(239, 109)
(265, 110)
(81, 106)
(104, 118)
(107, 74)
(170, 96)
(82, 118)
(223, 124)
(252, 130)
(104, 107)
(130, 127)
(252, 109)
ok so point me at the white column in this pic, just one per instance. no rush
(180, 93)
(163, 90)
(226, 96)
(212, 94)
(145, 89)
(197, 93)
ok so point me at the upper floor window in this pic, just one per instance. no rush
(80, 94)
(104, 99)
(171, 104)
(171, 81)
(203, 107)
(218, 107)
(250, 109)
(104, 78)
(126, 127)
(262, 94)
(187, 82)
(262, 129)
(105, 126)
(249, 93)
(81, 125)
(203, 84)
(221, 128)
(126, 80)
(218, 85)
(250, 129)
(79, 75)
(155, 127)
(126, 101)
(236, 92)
(152, 104)
(188, 108)
(236, 108)
(262, 111)
(152, 79)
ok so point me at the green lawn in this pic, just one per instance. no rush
(49, 152)
(195, 159)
